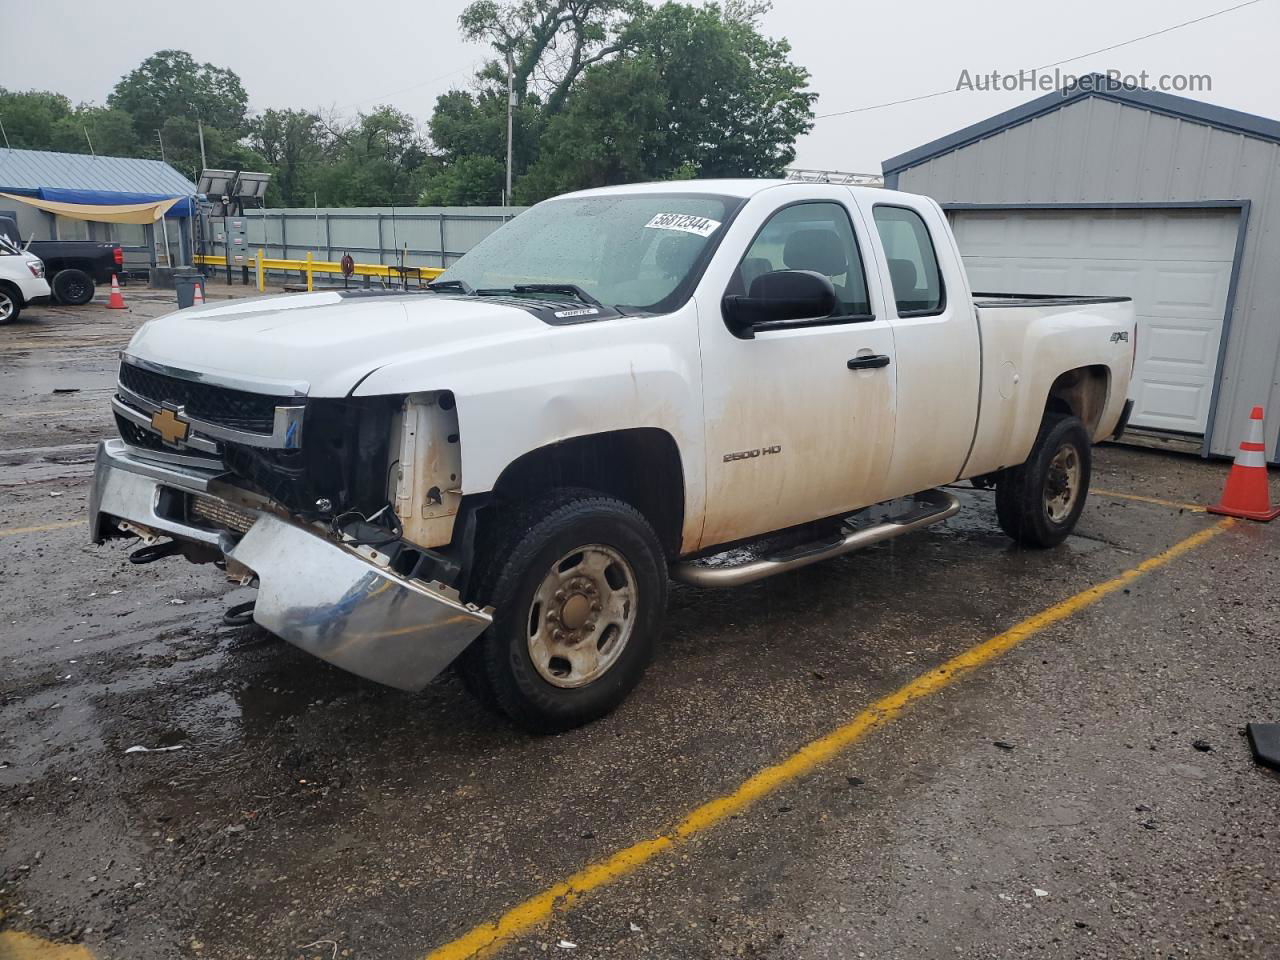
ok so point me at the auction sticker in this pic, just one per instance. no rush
(685, 223)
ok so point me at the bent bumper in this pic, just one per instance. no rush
(313, 592)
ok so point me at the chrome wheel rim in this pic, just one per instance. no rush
(1062, 485)
(582, 616)
(6, 307)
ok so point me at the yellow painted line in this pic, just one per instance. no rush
(538, 909)
(19, 531)
(23, 946)
(1190, 507)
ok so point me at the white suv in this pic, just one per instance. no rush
(21, 280)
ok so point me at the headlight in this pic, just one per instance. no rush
(37, 268)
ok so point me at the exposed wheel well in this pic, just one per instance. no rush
(12, 290)
(640, 467)
(1081, 392)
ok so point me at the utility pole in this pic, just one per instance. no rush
(160, 137)
(511, 102)
(204, 164)
(85, 128)
(5, 135)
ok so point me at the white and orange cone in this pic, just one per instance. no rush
(116, 301)
(198, 299)
(1247, 493)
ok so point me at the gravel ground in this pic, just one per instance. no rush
(1055, 803)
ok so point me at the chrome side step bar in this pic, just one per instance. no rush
(874, 525)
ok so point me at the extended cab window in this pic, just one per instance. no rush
(913, 265)
(809, 236)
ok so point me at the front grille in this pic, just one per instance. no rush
(237, 409)
(136, 436)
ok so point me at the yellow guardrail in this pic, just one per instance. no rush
(308, 267)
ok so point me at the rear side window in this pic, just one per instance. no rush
(809, 236)
(913, 265)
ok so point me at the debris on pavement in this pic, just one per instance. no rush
(1039, 893)
(1003, 744)
(1204, 746)
(321, 943)
(566, 945)
(138, 748)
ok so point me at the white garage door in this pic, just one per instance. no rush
(1176, 264)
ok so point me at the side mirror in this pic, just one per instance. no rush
(779, 295)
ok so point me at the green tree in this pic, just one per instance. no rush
(295, 145)
(379, 160)
(468, 181)
(171, 84)
(30, 117)
(697, 91)
(111, 132)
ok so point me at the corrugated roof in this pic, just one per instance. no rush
(1092, 85)
(32, 169)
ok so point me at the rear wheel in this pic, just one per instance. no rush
(72, 287)
(1039, 502)
(10, 305)
(578, 582)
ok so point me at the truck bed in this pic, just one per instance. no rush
(1040, 300)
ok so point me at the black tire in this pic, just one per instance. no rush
(515, 560)
(72, 287)
(10, 305)
(1026, 496)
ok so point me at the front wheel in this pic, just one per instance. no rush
(1039, 503)
(10, 305)
(578, 582)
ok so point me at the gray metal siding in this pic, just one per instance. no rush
(435, 236)
(1098, 150)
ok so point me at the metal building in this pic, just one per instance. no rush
(86, 179)
(1109, 189)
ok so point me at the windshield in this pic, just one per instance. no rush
(641, 252)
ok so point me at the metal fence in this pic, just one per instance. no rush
(425, 236)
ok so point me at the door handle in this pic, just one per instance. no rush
(870, 362)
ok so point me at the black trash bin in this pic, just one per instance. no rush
(185, 284)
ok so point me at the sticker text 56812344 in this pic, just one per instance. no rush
(685, 223)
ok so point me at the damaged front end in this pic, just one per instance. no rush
(302, 498)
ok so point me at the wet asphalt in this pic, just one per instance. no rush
(1058, 802)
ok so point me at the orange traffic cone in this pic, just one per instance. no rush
(1246, 493)
(117, 298)
(198, 299)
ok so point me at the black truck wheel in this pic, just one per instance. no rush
(72, 287)
(10, 305)
(1039, 502)
(578, 582)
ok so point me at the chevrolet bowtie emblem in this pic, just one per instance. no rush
(166, 423)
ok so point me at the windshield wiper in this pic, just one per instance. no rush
(452, 285)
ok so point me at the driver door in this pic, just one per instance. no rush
(800, 416)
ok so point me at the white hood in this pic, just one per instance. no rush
(324, 341)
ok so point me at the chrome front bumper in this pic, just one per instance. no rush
(313, 592)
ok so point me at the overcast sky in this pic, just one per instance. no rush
(351, 56)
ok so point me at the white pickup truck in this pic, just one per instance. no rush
(714, 381)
